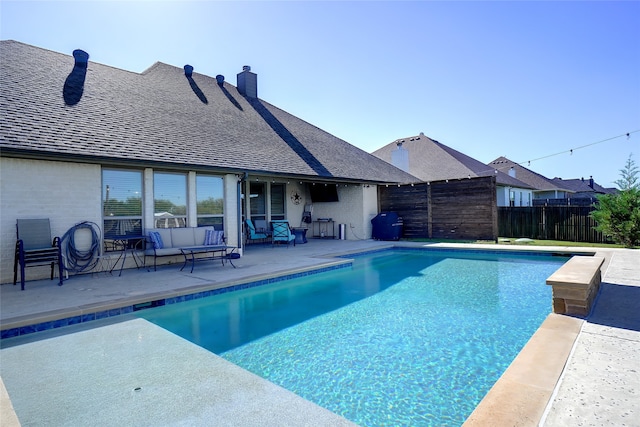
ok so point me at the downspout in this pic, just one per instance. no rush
(239, 208)
(238, 213)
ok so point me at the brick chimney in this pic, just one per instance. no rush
(248, 83)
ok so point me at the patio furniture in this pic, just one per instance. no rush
(282, 233)
(324, 228)
(300, 235)
(253, 235)
(185, 241)
(127, 243)
(225, 253)
(35, 247)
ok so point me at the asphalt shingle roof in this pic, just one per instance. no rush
(581, 186)
(533, 179)
(431, 160)
(162, 117)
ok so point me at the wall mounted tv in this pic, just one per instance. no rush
(323, 193)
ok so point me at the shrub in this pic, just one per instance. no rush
(618, 215)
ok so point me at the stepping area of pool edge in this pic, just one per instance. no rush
(134, 373)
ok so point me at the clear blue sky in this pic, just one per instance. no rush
(524, 80)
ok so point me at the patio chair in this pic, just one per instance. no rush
(35, 247)
(282, 233)
(252, 234)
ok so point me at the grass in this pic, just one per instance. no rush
(512, 241)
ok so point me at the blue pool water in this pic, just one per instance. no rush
(404, 337)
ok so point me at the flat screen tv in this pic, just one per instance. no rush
(321, 193)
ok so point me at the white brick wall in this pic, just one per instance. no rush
(66, 193)
(69, 193)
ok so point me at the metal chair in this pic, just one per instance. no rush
(282, 233)
(35, 247)
(252, 234)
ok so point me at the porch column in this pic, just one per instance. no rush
(192, 201)
(149, 218)
(232, 213)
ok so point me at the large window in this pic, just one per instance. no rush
(258, 201)
(210, 198)
(277, 201)
(169, 200)
(121, 202)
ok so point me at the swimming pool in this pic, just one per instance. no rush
(404, 337)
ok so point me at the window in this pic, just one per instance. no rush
(169, 200)
(277, 201)
(209, 199)
(257, 201)
(121, 202)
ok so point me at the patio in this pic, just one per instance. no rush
(611, 333)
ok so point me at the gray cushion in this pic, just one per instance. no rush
(182, 237)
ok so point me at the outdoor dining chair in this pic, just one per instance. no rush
(35, 247)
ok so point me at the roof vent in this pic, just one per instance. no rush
(188, 70)
(220, 79)
(74, 84)
(81, 57)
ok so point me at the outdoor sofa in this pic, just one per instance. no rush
(186, 241)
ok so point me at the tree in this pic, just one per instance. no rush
(618, 215)
(629, 175)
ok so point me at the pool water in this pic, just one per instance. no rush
(403, 337)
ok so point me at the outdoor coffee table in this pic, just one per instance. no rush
(224, 252)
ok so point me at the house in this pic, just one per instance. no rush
(556, 191)
(543, 187)
(582, 188)
(431, 160)
(82, 141)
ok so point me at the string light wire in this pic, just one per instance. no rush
(571, 151)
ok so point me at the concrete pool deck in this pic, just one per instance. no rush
(600, 382)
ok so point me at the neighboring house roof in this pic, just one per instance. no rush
(430, 160)
(533, 179)
(162, 118)
(581, 185)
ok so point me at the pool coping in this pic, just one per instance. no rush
(523, 391)
(521, 394)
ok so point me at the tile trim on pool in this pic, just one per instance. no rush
(507, 251)
(118, 311)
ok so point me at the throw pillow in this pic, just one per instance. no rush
(213, 237)
(156, 239)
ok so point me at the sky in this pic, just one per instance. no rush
(554, 86)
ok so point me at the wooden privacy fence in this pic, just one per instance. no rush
(569, 223)
(453, 209)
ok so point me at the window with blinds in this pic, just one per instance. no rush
(169, 200)
(210, 200)
(121, 202)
